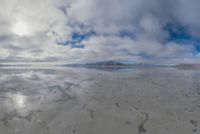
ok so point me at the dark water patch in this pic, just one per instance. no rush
(117, 104)
(141, 128)
(194, 123)
(91, 111)
(128, 122)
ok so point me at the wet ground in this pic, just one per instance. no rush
(91, 101)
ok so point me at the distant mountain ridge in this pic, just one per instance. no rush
(107, 63)
(111, 63)
(188, 66)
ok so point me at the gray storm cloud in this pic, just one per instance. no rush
(121, 30)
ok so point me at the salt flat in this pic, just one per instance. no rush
(91, 101)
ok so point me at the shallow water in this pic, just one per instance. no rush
(92, 101)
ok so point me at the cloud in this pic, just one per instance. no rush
(85, 30)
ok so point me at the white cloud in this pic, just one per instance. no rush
(127, 30)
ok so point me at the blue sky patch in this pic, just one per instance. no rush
(177, 33)
(182, 36)
(78, 46)
(76, 39)
(127, 34)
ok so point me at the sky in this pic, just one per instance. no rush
(159, 31)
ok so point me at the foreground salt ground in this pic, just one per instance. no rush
(89, 101)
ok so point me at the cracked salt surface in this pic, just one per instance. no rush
(88, 101)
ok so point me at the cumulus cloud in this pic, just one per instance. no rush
(85, 30)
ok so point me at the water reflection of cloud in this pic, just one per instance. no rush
(20, 100)
(27, 91)
(17, 102)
